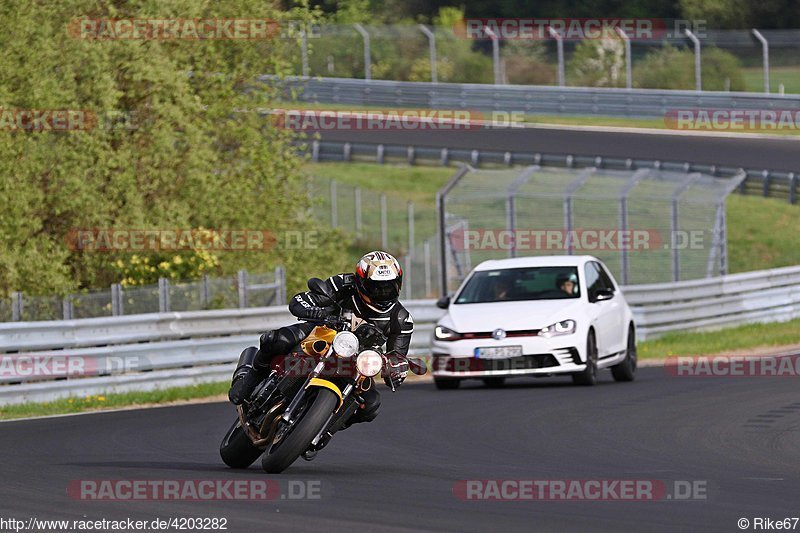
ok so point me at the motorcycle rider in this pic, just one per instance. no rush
(371, 294)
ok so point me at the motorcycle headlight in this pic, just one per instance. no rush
(345, 344)
(442, 333)
(565, 327)
(369, 363)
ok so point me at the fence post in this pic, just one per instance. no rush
(792, 188)
(116, 300)
(411, 235)
(407, 276)
(384, 224)
(628, 60)
(432, 50)
(205, 295)
(280, 279)
(359, 221)
(17, 306)
(67, 309)
(426, 256)
(241, 279)
(698, 74)
(163, 295)
(304, 51)
(498, 80)
(367, 59)
(334, 207)
(560, 47)
(765, 56)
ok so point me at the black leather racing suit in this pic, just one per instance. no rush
(396, 323)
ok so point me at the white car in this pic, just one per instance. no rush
(535, 316)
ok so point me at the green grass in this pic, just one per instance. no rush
(722, 341)
(762, 233)
(113, 401)
(789, 77)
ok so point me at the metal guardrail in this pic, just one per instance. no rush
(529, 99)
(174, 349)
(761, 182)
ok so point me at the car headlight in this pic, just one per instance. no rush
(565, 327)
(369, 363)
(345, 344)
(442, 333)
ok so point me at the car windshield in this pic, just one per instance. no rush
(519, 284)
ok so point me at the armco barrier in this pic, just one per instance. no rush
(174, 349)
(548, 100)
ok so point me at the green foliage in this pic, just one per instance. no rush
(525, 63)
(673, 68)
(193, 155)
(598, 63)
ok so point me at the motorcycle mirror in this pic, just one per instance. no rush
(417, 366)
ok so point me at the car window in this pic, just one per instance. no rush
(604, 277)
(593, 281)
(517, 284)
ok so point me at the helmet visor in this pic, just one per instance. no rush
(384, 291)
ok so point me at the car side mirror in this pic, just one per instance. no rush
(603, 294)
(443, 302)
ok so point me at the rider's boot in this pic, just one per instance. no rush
(246, 377)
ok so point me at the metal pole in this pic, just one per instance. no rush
(359, 222)
(698, 75)
(242, 283)
(498, 80)
(560, 46)
(628, 61)
(441, 197)
(280, 279)
(116, 299)
(205, 295)
(407, 276)
(384, 224)
(163, 295)
(411, 235)
(426, 256)
(765, 53)
(17, 306)
(367, 59)
(334, 207)
(304, 51)
(432, 49)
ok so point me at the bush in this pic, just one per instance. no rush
(673, 68)
(598, 63)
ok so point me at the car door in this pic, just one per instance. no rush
(605, 310)
(616, 309)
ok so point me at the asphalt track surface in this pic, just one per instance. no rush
(740, 436)
(745, 151)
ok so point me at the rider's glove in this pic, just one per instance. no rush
(395, 372)
(315, 313)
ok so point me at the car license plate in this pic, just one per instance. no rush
(498, 352)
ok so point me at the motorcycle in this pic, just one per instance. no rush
(310, 393)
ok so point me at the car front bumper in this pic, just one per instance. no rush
(541, 356)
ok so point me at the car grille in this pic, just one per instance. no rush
(471, 364)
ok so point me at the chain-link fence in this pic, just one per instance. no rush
(648, 225)
(243, 290)
(736, 60)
